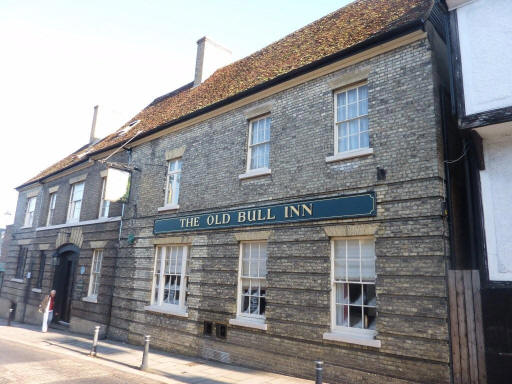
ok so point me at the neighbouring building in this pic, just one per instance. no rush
(481, 46)
(288, 207)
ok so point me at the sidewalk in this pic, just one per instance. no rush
(164, 367)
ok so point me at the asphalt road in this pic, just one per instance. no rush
(20, 364)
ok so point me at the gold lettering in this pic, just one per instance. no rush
(217, 219)
(307, 209)
(241, 216)
(251, 215)
(259, 216)
(294, 210)
(182, 222)
(269, 214)
(285, 211)
(226, 218)
(196, 221)
(209, 220)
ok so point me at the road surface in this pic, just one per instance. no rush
(20, 364)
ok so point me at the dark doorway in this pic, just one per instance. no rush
(63, 282)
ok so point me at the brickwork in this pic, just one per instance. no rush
(410, 238)
(40, 240)
(410, 232)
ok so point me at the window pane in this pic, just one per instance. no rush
(363, 92)
(353, 127)
(363, 107)
(340, 260)
(370, 316)
(367, 260)
(353, 261)
(341, 293)
(369, 295)
(343, 144)
(352, 96)
(356, 317)
(354, 142)
(78, 191)
(355, 294)
(352, 111)
(342, 315)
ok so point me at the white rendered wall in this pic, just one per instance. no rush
(485, 35)
(496, 184)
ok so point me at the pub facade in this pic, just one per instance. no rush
(300, 217)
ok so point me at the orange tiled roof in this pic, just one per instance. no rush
(342, 29)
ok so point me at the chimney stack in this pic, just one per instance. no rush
(93, 137)
(210, 57)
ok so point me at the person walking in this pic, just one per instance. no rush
(46, 307)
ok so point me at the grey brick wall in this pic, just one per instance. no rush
(411, 243)
(84, 313)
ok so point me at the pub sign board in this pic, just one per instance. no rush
(339, 207)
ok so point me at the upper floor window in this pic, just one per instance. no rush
(104, 204)
(258, 152)
(170, 283)
(351, 118)
(75, 202)
(94, 281)
(353, 286)
(252, 283)
(29, 212)
(51, 208)
(172, 187)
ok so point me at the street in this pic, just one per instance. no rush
(20, 364)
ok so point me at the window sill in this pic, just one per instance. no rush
(166, 311)
(18, 280)
(349, 155)
(79, 223)
(248, 323)
(165, 208)
(352, 339)
(90, 299)
(27, 227)
(36, 290)
(255, 173)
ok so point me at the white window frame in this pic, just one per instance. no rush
(95, 275)
(72, 203)
(343, 333)
(51, 208)
(104, 204)
(30, 211)
(349, 153)
(245, 319)
(158, 305)
(250, 145)
(176, 186)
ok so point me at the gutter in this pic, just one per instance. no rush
(407, 28)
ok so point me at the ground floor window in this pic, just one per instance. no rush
(353, 299)
(252, 283)
(94, 281)
(170, 282)
(20, 265)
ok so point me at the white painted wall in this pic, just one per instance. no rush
(496, 184)
(485, 35)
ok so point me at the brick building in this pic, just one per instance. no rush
(288, 208)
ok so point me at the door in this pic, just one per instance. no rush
(63, 284)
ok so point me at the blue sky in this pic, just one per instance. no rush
(60, 58)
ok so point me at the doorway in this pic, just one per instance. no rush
(63, 282)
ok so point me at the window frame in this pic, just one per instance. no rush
(347, 330)
(52, 202)
(181, 308)
(40, 274)
(29, 214)
(71, 203)
(240, 315)
(95, 274)
(103, 212)
(250, 145)
(359, 150)
(170, 173)
(21, 263)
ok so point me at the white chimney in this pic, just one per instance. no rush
(93, 137)
(210, 57)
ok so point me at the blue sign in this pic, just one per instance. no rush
(339, 207)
